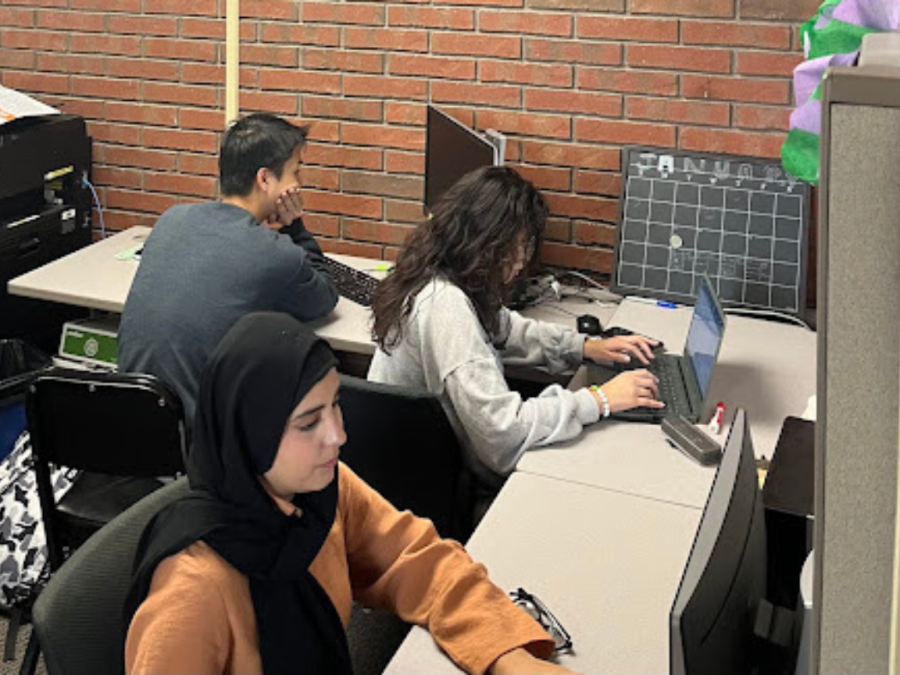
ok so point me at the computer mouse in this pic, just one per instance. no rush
(589, 324)
(616, 331)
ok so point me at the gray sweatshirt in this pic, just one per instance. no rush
(446, 351)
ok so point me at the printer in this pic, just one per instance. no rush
(45, 213)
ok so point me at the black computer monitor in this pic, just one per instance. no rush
(451, 151)
(713, 616)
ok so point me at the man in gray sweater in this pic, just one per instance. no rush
(206, 265)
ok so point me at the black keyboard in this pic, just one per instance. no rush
(670, 384)
(351, 283)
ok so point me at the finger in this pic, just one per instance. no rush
(621, 357)
(650, 402)
(638, 353)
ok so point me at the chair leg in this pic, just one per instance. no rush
(32, 654)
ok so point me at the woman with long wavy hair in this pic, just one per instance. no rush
(440, 323)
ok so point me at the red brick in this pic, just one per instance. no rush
(580, 5)
(441, 18)
(137, 157)
(142, 69)
(731, 142)
(142, 113)
(525, 23)
(124, 134)
(382, 233)
(128, 90)
(547, 178)
(284, 34)
(80, 21)
(322, 225)
(575, 206)
(208, 73)
(139, 201)
(180, 184)
(71, 64)
(341, 155)
(396, 112)
(583, 156)
(595, 233)
(345, 61)
(204, 165)
(116, 221)
(293, 80)
(351, 248)
(573, 51)
(627, 81)
(682, 112)
(609, 131)
(526, 124)
(270, 10)
(385, 87)
(386, 39)
(320, 178)
(736, 34)
(762, 63)
(175, 139)
(192, 27)
(383, 136)
(558, 229)
(123, 45)
(706, 8)
(350, 13)
(627, 28)
(339, 108)
(510, 72)
(117, 177)
(17, 58)
(476, 45)
(270, 55)
(179, 93)
(679, 58)
(577, 257)
(404, 162)
(602, 105)
(23, 18)
(181, 49)
(325, 131)
(203, 119)
(403, 212)
(430, 66)
(181, 7)
(778, 10)
(281, 104)
(735, 89)
(598, 182)
(142, 25)
(484, 94)
(351, 205)
(764, 118)
(385, 185)
(464, 116)
(487, 3)
(12, 38)
(129, 6)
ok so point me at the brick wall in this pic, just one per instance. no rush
(569, 82)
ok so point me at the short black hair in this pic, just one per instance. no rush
(254, 142)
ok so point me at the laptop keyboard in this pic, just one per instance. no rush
(351, 283)
(671, 388)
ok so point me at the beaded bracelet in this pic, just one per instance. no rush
(603, 398)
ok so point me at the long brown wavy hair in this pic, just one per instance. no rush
(471, 238)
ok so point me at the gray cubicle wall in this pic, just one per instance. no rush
(858, 370)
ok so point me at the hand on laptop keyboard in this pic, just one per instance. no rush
(622, 349)
(636, 388)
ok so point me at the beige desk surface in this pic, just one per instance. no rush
(607, 565)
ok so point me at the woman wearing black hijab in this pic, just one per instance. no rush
(256, 569)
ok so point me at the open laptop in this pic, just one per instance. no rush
(683, 380)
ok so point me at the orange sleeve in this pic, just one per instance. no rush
(399, 562)
(182, 625)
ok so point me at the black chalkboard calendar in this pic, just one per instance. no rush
(742, 221)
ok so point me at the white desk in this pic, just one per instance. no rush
(607, 565)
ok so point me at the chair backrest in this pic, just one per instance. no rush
(78, 616)
(400, 442)
(119, 424)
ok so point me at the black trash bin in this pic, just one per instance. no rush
(19, 361)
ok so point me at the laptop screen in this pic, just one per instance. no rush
(704, 336)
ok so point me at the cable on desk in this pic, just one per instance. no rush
(751, 312)
(88, 184)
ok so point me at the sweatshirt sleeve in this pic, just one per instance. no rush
(537, 343)
(311, 293)
(399, 562)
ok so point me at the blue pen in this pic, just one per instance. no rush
(650, 301)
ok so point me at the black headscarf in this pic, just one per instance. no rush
(260, 372)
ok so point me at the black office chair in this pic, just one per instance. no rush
(78, 618)
(123, 430)
(400, 442)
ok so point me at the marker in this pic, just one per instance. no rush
(715, 424)
(651, 301)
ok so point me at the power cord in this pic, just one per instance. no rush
(87, 184)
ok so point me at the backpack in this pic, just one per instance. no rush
(24, 566)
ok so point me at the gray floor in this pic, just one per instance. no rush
(12, 667)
